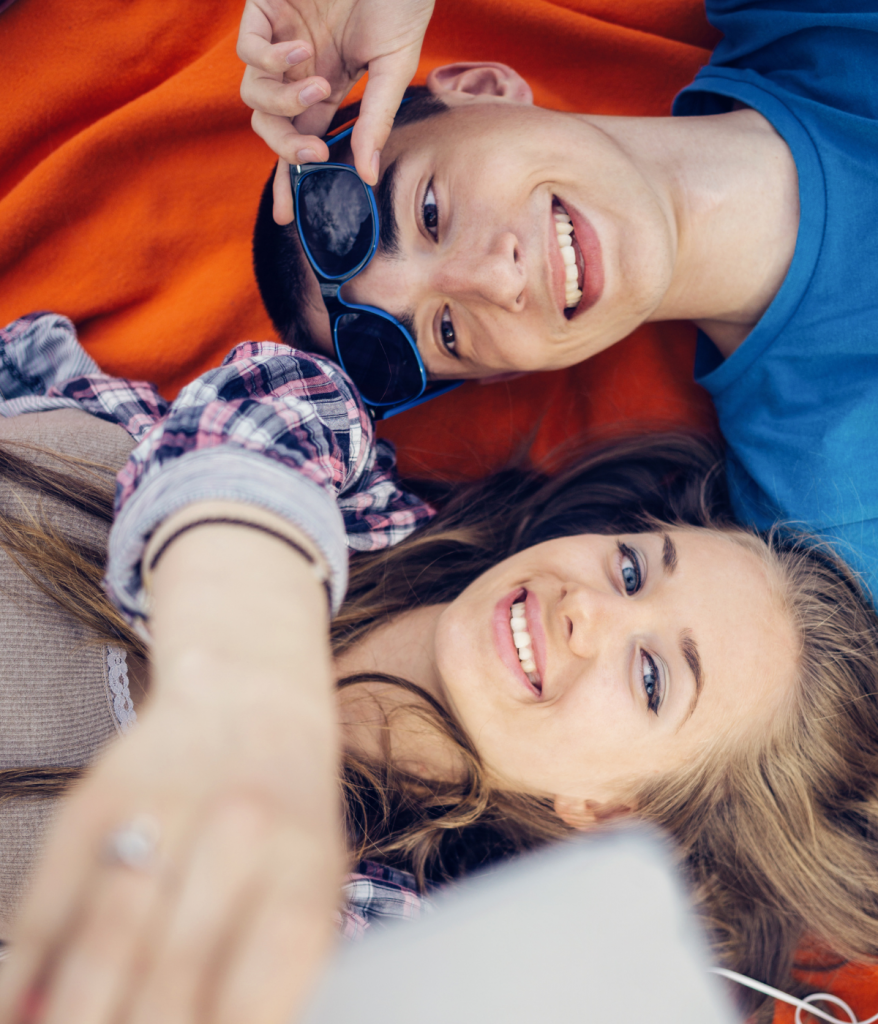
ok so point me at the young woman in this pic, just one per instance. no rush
(742, 718)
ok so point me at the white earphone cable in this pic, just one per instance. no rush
(801, 1005)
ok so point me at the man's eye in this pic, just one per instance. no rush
(430, 212)
(446, 329)
(629, 566)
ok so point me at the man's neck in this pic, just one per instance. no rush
(729, 185)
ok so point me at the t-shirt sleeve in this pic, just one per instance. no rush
(802, 434)
(822, 50)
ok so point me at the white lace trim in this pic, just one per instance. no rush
(117, 676)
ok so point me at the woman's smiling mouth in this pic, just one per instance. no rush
(519, 638)
(523, 642)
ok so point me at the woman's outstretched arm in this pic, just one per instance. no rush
(227, 759)
(234, 763)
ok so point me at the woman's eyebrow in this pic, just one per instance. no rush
(388, 231)
(689, 650)
(688, 646)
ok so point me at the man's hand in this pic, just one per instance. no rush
(233, 766)
(303, 56)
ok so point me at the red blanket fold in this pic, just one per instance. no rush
(129, 180)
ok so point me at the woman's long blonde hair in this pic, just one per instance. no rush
(778, 837)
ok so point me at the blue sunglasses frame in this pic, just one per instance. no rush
(337, 307)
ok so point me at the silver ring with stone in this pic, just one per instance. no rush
(135, 844)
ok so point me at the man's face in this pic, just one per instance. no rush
(471, 257)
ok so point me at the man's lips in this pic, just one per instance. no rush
(590, 247)
(556, 264)
(587, 247)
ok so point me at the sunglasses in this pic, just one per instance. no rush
(337, 221)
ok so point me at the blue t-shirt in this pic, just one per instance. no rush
(798, 400)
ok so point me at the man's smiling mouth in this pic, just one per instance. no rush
(571, 254)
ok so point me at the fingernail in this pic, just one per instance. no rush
(376, 163)
(306, 156)
(297, 56)
(312, 94)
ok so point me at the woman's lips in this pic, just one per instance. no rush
(503, 638)
(537, 635)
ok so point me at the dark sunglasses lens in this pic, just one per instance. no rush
(378, 358)
(335, 219)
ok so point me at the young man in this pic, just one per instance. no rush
(751, 212)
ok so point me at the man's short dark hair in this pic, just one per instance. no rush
(278, 259)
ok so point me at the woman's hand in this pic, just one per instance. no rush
(234, 763)
(303, 56)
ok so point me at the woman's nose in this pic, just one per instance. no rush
(495, 274)
(588, 616)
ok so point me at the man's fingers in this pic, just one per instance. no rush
(282, 137)
(272, 95)
(388, 79)
(282, 210)
(275, 58)
(317, 119)
(256, 48)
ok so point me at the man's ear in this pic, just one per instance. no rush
(586, 814)
(498, 81)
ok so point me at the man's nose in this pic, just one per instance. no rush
(495, 273)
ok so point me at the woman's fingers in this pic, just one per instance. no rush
(87, 961)
(52, 907)
(222, 881)
(274, 964)
(91, 978)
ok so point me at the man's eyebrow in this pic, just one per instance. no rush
(407, 319)
(388, 232)
(689, 650)
(669, 554)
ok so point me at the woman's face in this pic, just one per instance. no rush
(644, 648)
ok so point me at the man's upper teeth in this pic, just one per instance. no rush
(522, 640)
(564, 234)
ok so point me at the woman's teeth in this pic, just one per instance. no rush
(564, 234)
(523, 643)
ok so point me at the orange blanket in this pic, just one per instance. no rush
(129, 180)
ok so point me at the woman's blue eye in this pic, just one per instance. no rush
(446, 329)
(652, 684)
(430, 211)
(632, 575)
